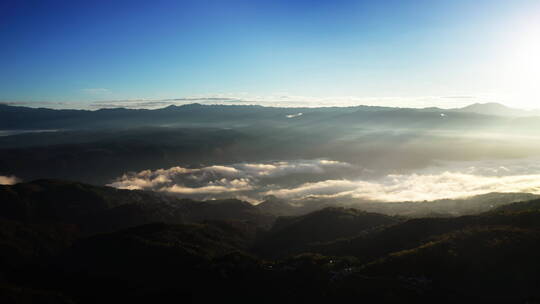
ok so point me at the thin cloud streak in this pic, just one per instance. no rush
(297, 101)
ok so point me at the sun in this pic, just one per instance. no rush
(520, 75)
(526, 53)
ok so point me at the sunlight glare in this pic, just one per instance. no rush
(521, 74)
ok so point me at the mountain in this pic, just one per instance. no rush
(239, 116)
(472, 265)
(95, 209)
(98, 156)
(17, 118)
(445, 207)
(436, 208)
(99, 146)
(153, 262)
(496, 109)
(418, 231)
(68, 242)
(525, 206)
(279, 207)
(452, 260)
(293, 234)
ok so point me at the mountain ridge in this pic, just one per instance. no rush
(333, 254)
(497, 109)
(18, 117)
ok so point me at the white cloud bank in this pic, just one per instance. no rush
(414, 187)
(8, 180)
(317, 179)
(214, 180)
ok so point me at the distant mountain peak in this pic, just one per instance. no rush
(487, 106)
(190, 105)
(184, 106)
(494, 108)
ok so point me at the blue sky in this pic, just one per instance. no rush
(399, 52)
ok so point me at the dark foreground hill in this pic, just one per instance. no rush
(64, 242)
(293, 234)
(94, 209)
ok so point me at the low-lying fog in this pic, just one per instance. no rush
(330, 179)
(16, 132)
(297, 155)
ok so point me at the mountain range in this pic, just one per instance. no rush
(25, 118)
(67, 242)
(99, 146)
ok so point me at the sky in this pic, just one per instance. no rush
(388, 52)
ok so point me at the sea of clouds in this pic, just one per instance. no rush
(320, 178)
(8, 180)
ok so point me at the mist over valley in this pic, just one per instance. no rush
(350, 151)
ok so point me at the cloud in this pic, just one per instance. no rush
(447, 180)
(460, 97)
(9, 180)
(145, 103)
(321, 178)
(289, 101)
(294, 115)
(37, 104)
(221, 179)
(283, 168)
(15, 103)
(96, 91)
(213, 187)
(414, 187)
(327, 188)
